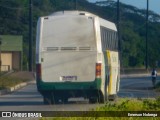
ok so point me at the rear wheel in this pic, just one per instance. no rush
(101, 97)
(50, 98)
(54, 100)
(64, 100)
(93, 100)
(105, 92)
(97, 99)
(47, 100)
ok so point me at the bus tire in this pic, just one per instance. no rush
(101, 98)
(64, 100)
(54, 99)
(93, 100)
(47, 100)
(105, 92)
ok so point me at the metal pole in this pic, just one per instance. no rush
(30, 37)
(75, 4)
(119, 34)
(118, 26)
(147, 35)
(0, 55)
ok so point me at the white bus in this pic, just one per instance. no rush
(76, 56)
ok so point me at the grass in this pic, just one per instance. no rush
(8, 81)
(132, 105)
(121, 108)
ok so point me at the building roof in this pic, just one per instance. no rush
(11, 43)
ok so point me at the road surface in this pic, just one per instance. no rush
(137, 87)
(28, 99)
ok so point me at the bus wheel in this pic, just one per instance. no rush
(47, 100)
(105, 93)
(100, 97)
(64, 100)
(93, 100)
(55, 100)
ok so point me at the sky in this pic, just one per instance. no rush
(154, 5)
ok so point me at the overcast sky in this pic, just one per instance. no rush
(154, 5)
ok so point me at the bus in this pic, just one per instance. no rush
(76, 56)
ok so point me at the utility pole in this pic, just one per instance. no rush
(118, 26)
(30, 38)
(0, 56)
(75, 4)
(147, 35)
(119, 33)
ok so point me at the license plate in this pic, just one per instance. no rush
(68, 78)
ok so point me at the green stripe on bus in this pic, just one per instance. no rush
(96, 84)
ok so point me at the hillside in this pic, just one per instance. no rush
(14, 20)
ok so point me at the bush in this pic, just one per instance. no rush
(123, 105)
(8, 81)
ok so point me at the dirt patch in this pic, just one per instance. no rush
(24, 75)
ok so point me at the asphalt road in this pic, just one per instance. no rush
(28, 99)
(137, 87)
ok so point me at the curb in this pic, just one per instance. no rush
(11, 89)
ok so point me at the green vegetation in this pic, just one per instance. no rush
(14, 21)
(132, 105)
(122, 106)
(105, 118)
(8, 81)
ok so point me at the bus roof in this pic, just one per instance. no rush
(103, 22)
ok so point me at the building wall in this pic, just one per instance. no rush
(11, 61)
(6, 59)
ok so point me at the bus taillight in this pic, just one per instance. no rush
(98, 70)
(38, 71)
